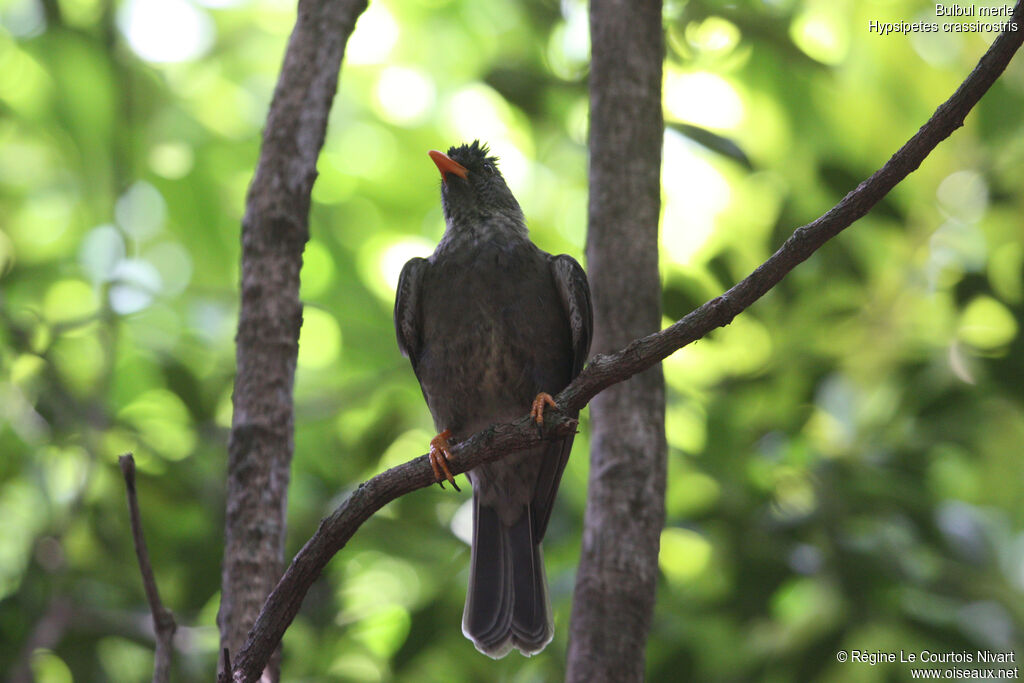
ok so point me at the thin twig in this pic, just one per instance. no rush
(163, 619)
(224, 675)
(334, 531)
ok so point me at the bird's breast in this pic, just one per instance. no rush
(494, 334)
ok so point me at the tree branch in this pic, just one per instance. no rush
(617, 576)
(335, 530)
(163, 618)
(274, 233)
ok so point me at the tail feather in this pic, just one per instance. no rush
(488, 614)
(507, 600)
(531, 612)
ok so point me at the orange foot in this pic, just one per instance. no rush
(537, 411)
(439, 455)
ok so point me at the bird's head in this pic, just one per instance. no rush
(472, 188)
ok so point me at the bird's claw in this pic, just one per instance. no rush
(537, 409)
(439, 456)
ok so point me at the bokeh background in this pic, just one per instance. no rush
(845, 458)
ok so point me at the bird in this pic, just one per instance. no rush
(494, 326)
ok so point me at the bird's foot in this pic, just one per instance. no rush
(537, 410)
(439, 455)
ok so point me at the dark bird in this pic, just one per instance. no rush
(494, 326)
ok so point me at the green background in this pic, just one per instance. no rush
(845, 458)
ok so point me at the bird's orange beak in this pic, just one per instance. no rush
(446, 165)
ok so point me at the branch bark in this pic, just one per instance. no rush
(274, 234)
(605, 370)
(618, 571)
(163, 619)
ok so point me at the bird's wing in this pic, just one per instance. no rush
(571, 283)
(408, 323)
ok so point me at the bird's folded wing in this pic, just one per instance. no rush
(408, 321)
(571, 282)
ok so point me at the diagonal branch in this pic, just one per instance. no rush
(163, 618)
(335, 530)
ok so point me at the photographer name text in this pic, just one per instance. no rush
(874, 657)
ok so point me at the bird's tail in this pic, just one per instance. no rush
(507, 600)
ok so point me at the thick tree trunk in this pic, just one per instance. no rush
(274, 234)
(618, 569)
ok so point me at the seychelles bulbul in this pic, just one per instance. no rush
(494, 326)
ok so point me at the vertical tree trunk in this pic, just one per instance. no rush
(618, 569)
(274, 234)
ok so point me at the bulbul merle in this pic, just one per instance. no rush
(494, 326)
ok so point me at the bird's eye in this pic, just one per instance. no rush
(488, 169)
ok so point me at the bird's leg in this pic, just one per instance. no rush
(439, 455)
(537, 410)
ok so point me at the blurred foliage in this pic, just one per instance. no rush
(845, 467)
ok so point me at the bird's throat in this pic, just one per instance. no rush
(483, 230)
